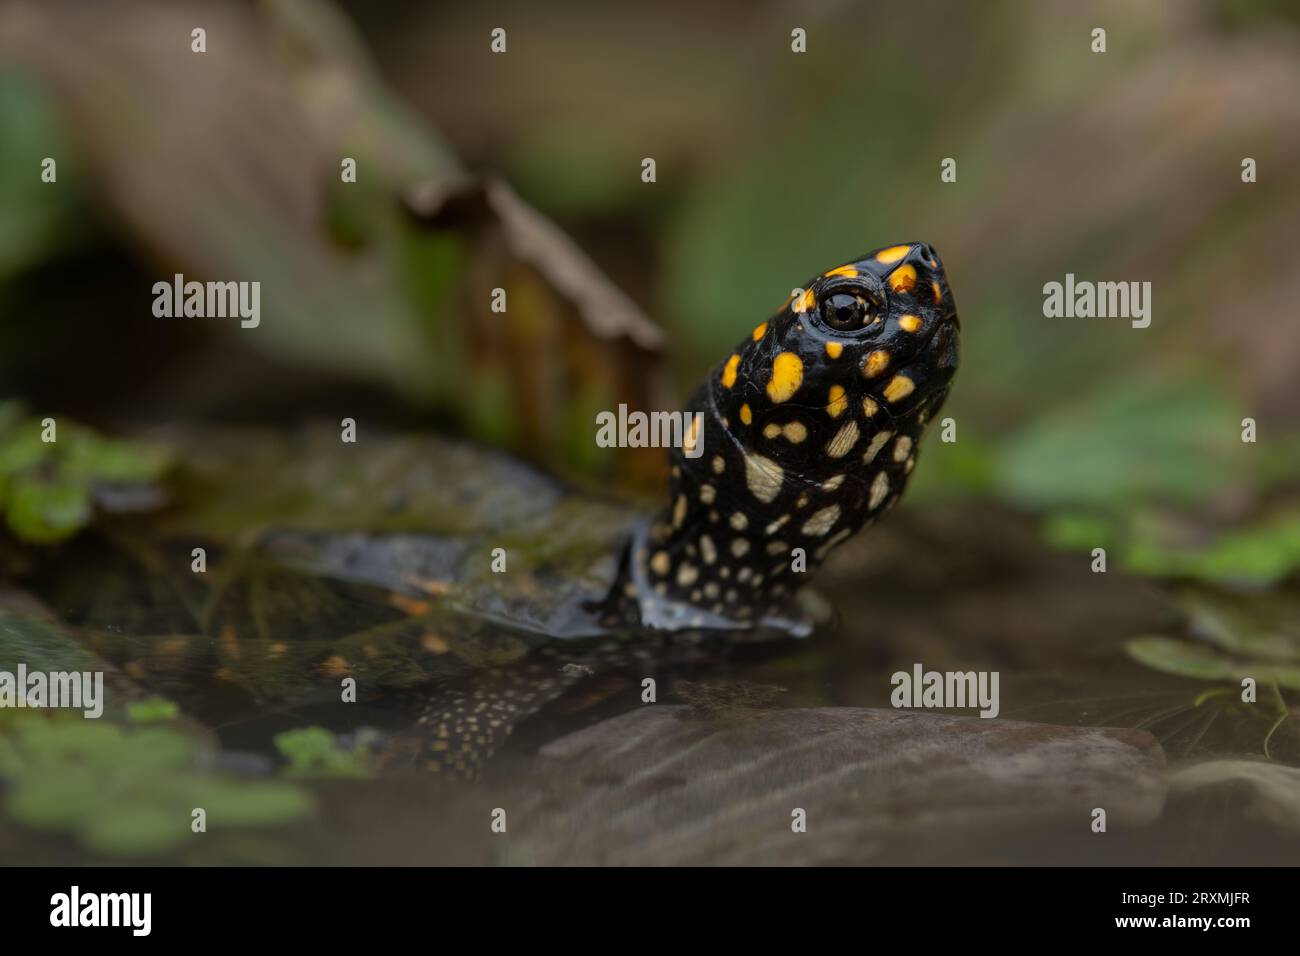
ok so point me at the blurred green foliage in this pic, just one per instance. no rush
(152, 710)
(49, 471)
(127, 792)
(771, 167)
(48, 220)
(119, 787)
(315, 752)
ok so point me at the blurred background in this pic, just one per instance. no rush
(770, 165)
(522, 170)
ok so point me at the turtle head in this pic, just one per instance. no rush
(808, 431)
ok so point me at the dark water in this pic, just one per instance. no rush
(590, 778)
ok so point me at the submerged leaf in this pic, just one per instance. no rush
(1187, 659)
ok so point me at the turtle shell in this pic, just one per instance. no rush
(396, 563)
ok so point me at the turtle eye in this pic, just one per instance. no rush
(845, 312)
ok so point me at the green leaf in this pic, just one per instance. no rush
(39, 218)
(1140, 439)
(60, 798)
(1075, 531)
(142, 830)
(47, 741)
(1187, 659)
(153, 710)
(1263, 553)
(90, 457)
(46, 512)
(253, 804)
(314, 752)
(156, 748)
(1180, 657)
(21, 447)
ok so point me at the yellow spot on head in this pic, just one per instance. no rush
(892, 254)
(834, 349)
(869, 407)
(938, 295)
(794, 432)
(910, 323)
(787, 374)
(875, 363)
(660, 563)
(746, 415)
(836, 401)
(760, 331)
(903, 279)
(847, 271)
(899, 387)
(806, 302)
(729, 373)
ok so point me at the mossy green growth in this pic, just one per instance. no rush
(315, 752)
(131, 792)
(50, 468)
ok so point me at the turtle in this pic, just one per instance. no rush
(517, 587)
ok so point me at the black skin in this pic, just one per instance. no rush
(873, 305)
(861, 314)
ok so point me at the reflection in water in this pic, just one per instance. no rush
(257, 649)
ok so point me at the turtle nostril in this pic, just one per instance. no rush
(925, 251)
